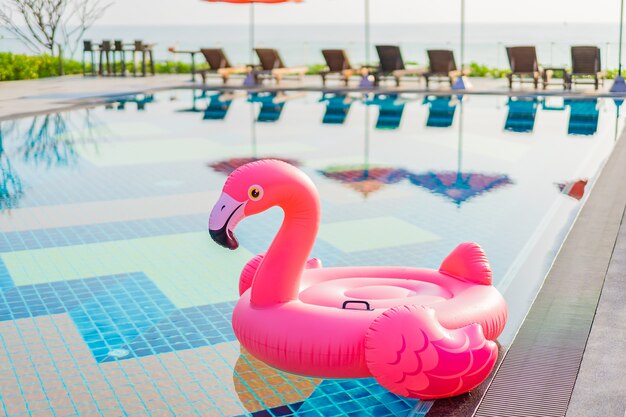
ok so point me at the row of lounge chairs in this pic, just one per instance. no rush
(442, 66)
(586, 67)
(525, 68)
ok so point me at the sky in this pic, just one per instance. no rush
(196, 12)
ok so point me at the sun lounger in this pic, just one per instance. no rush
(586, 66)
(272, 66)
(392, 65)
(442, 67)
(521, 115)
(218, 65)
(338, 63)
(524, 65)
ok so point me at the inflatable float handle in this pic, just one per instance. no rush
(344, 306)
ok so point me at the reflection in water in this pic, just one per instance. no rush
(583, 117)
(217, 106)
(260, 387)
(140, 99)
(364, 178)
(272, 105)
(390, 110)
(456, 185)
(521, 115)
(195, 98)
(441, 113)
(47, 140)
(553, 103)
(10, 183)
(337, 108)
(574, 189)
(227, 166)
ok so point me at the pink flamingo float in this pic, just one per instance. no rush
(421, 333)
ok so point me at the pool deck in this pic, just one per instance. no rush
(595, 248)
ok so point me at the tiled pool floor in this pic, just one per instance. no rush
(114, 301)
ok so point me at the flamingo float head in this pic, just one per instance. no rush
(253, 188)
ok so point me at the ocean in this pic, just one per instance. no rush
(301, 44)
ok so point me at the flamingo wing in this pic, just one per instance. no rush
(411, 354)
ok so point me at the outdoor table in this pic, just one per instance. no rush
(192, 54)
(554, 69)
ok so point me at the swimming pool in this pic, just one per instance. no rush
(114, 300)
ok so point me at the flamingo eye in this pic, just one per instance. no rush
(255, 193)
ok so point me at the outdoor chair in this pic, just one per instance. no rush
(105, 55)
(442, 67)
(337, 62)
(392, 65)
(119, 51)
(586, 66)
(272, 66)
(145, 51)
(524, 66)
(219, 65)
(90, 49)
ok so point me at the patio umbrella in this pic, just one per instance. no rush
(251, 24)
(459, 186)
(365, 178)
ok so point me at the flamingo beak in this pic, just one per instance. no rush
(225, 215)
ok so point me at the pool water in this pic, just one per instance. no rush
(114, 300)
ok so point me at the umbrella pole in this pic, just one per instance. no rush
(462, 83)
(366, 156)
(619, 86)
(251, 40)
(460, 147)
(367, 32)
(253, 130)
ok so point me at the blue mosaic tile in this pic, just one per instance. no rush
(186, 328)
(118, 315)
(6, 281)
(96, 233)
(350, 397)
(354, 397)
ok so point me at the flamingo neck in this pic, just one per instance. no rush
(277, 279)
